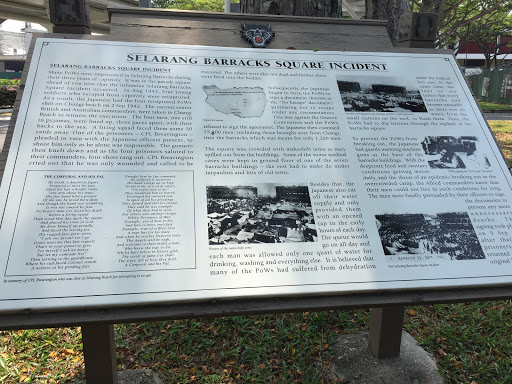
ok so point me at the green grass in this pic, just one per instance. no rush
(40, 356)
(243, 349)
(292, 348)
(503, 133)
(493, 106)
(471, 343)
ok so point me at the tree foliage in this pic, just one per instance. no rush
(194, 5)
(473, 19)
(481, 22)
(488, 34)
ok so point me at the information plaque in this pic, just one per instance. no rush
(145, 173)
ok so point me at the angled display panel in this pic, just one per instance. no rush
(145, 173)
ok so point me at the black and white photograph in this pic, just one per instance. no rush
(451, 152)
(446, 235)
(379, 94)
(260, 213)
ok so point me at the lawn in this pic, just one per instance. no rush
(470, 342)
(493, 106)
(503, 133)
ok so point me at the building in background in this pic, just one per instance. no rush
(15, 38)
(472, 59)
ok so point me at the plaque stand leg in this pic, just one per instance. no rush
(99, 353)
(386, 331)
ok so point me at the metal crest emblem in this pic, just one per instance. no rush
(258, 35)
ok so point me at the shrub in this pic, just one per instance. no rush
(9, 82)
(8, 90)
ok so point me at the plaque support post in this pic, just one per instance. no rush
(386, 331)
(99, 353)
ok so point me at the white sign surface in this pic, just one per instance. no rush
(155, 173)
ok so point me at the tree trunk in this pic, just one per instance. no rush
(314, 8)
(387, 10)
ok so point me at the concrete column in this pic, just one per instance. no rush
(417, 30)
(70, 16)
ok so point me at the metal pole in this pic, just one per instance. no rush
(386, 331)
(99, 353)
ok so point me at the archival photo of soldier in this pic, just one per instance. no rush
(260, 213)
(379, 94)
(455, 152)
(446, 236)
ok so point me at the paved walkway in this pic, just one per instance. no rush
(3, 131)
(498, 116)
(5, 116)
